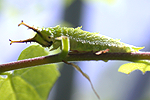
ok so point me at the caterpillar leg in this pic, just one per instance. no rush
(83, 52)
(102, 51)
(84, 74)
(65, 46)
(78, 52)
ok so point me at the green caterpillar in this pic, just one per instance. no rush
(80, 41)
(77, 41)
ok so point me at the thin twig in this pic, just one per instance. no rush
(74, 57)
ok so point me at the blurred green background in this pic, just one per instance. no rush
(122, 19)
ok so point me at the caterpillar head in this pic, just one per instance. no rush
(42, 37)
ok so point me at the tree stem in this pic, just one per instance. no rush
(74, 57)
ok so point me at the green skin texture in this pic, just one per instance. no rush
(81, 40)
(75, 39)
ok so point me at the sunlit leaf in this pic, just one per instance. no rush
(32, 83)
(129, 67)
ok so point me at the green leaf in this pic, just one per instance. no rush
(6, 90)
(32, 83)
(1, 79)
(129, 67)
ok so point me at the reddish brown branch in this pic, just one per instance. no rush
(74, 57)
